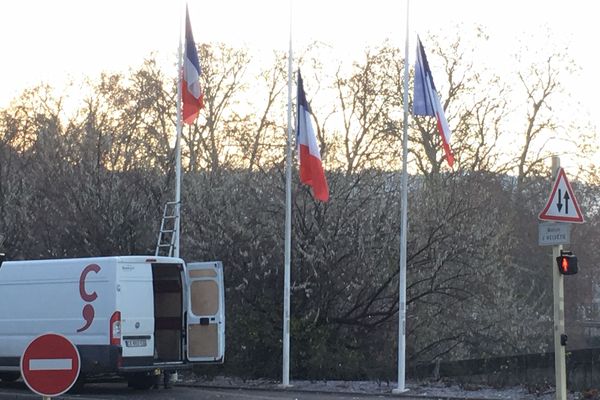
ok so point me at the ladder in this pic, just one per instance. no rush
(168, 228)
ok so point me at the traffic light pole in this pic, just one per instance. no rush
(560, 372)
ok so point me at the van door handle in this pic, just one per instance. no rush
(204, 321)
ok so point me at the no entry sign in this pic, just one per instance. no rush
(50, 364)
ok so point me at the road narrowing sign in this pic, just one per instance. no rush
(50, 364)
(562, 205)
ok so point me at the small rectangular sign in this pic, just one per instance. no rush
(554, 233)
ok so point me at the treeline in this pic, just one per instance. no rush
(91, 180)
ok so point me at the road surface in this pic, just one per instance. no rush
(108, 391)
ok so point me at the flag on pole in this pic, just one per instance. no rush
(427, 102)
(311, 167)
(191, 94)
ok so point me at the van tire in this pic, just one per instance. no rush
(9, 376)
(141, 381)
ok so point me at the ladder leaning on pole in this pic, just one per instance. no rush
(168, 227)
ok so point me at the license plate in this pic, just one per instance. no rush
(135, 342)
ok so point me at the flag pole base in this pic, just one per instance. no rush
(399, 391)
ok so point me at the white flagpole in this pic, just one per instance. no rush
(178, 145)
(288, 225)
(403, 229)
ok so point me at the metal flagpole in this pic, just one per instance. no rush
(178, 144)
(288, 225)
(403, 228)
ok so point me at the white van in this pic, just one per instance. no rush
(132, 315)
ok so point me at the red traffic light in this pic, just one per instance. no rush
(567, 263)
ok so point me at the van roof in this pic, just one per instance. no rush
(127, 259)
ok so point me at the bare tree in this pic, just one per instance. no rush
(541, 83)
(366, 100)
(223, 70)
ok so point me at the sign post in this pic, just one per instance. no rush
(560, 369)
(50, 365)
(561, 208)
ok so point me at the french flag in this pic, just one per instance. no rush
(311, 168)
(427, 102)
(191, 94)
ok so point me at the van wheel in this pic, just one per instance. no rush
(141, 381)
(9, 376)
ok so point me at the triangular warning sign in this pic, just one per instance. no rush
(562, 205)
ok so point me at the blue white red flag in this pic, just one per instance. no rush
(311, 167)
(427, 102)
(191, 94)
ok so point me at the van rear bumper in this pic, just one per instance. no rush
(139, 364)
(136, 363)
(107, 359)
(99, 358)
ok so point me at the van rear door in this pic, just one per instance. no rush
(205, 312)
(136, 305)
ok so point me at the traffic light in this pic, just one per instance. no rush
(567, 263)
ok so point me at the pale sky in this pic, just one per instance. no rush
(51, 41)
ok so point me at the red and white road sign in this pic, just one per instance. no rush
(562, 205)
(50, 364)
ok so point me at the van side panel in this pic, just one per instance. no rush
(78, 297)
(72, 297)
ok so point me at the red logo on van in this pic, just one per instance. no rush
(88, 310)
